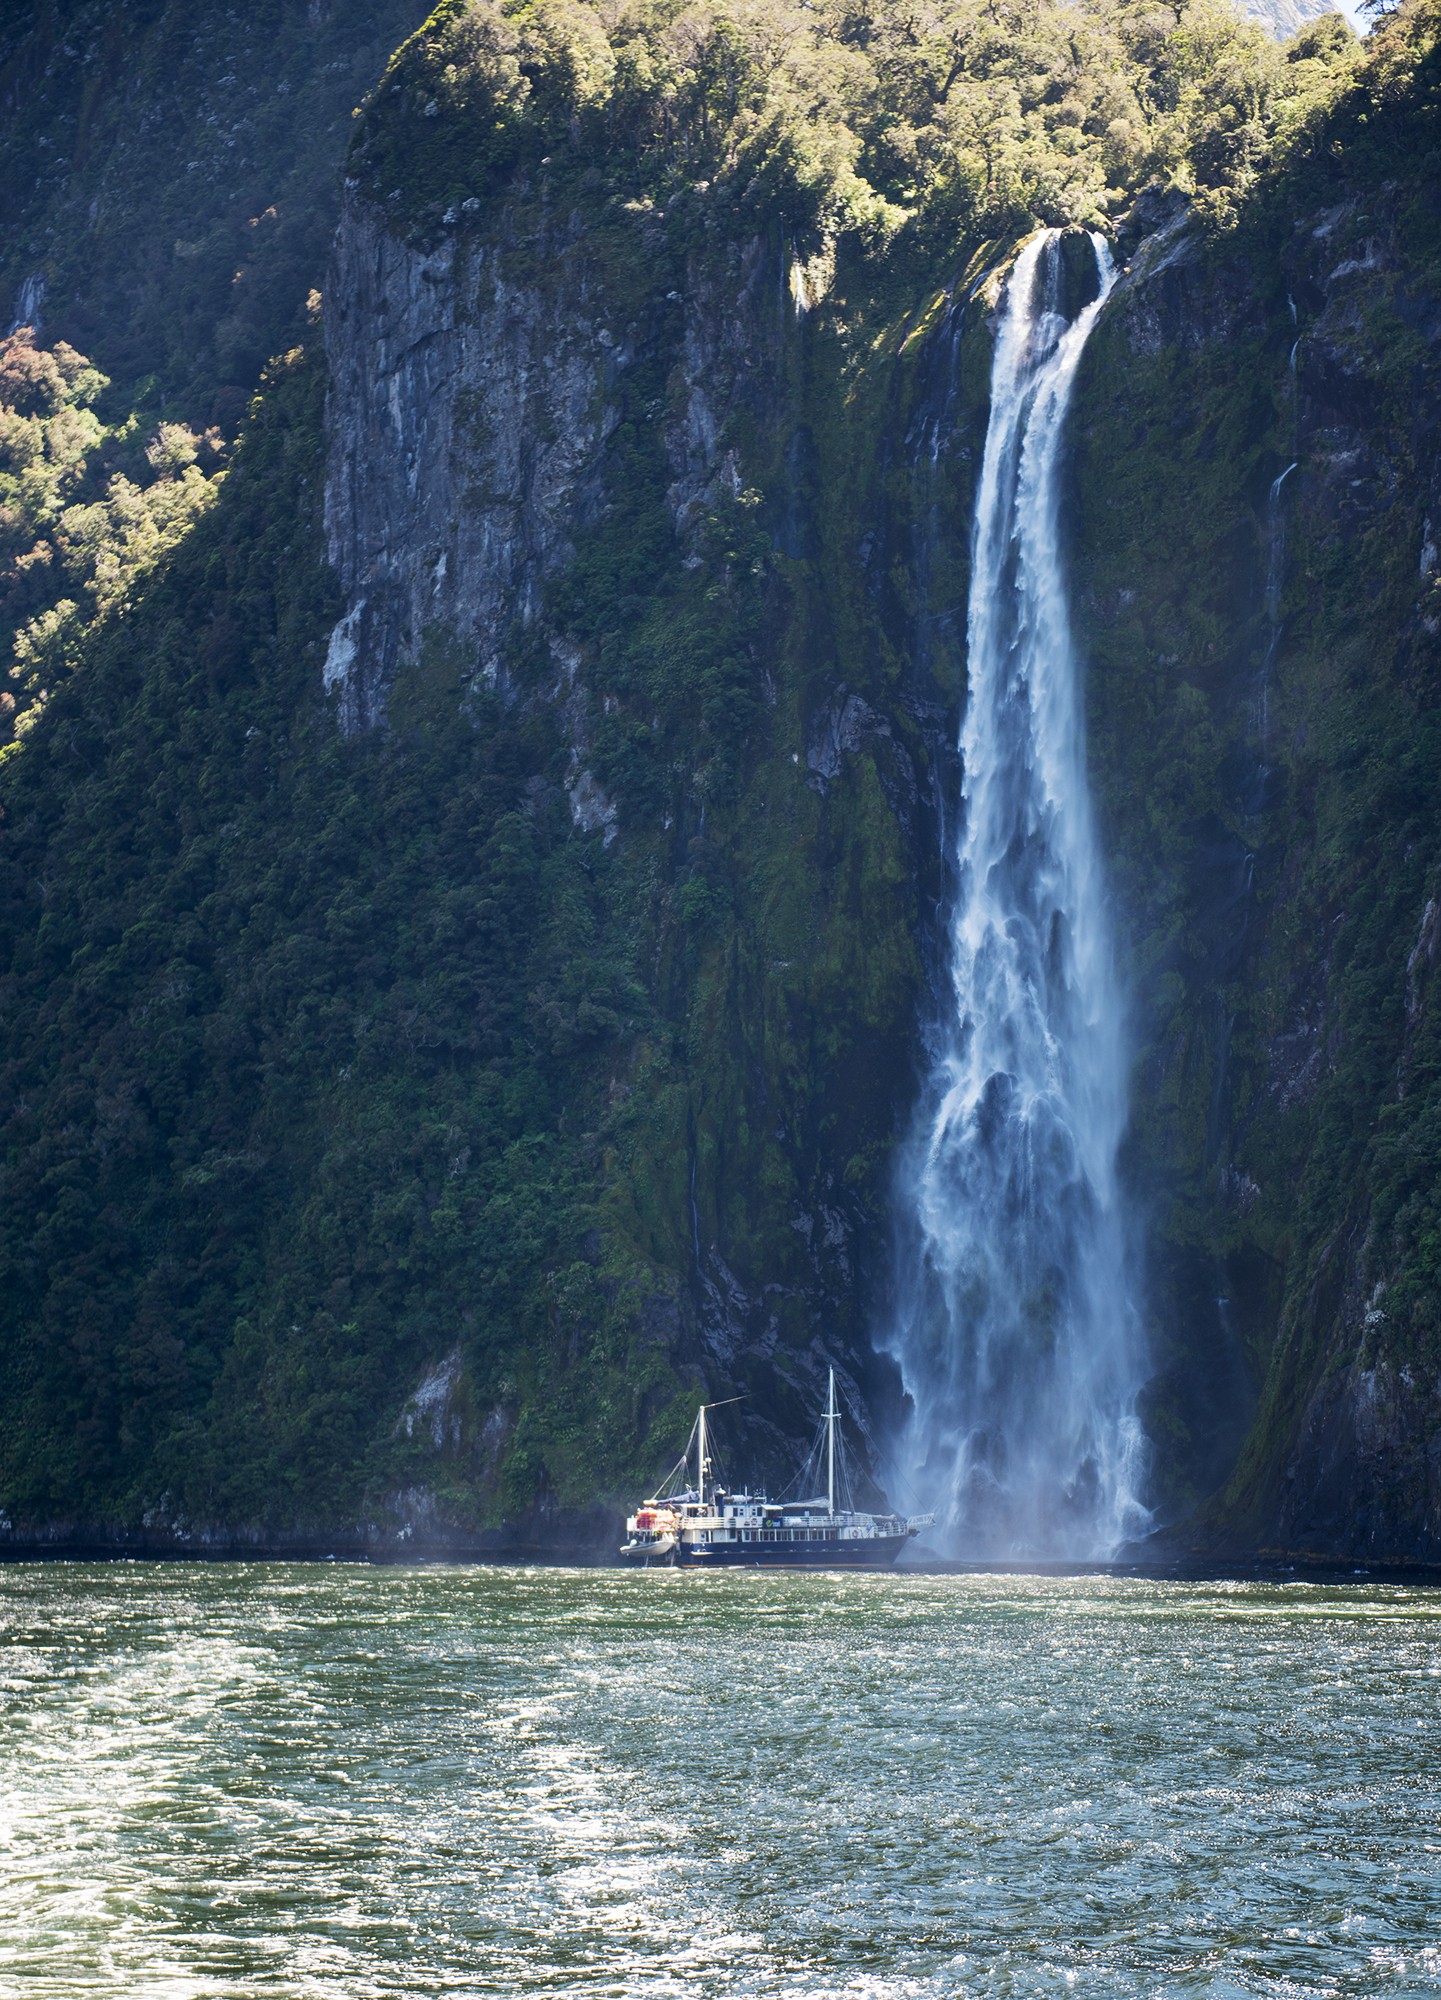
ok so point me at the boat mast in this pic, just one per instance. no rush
(701, 1454)
(831, 1414)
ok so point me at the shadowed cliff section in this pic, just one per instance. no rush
(168, 180)
(168, 190)
(1259, 446)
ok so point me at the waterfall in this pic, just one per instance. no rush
(1275, 572)
(1016, 1333)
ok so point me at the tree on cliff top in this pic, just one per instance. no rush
(846, 115)
(86, 511)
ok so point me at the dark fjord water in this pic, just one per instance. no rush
(349, 1782)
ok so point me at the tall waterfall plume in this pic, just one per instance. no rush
(1016, 1332)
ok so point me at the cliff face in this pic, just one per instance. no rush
(581, 466)
(472, 928)
(466, 413)
(1259, 449)
(474, 387)
(549, 929)
(1256, 454)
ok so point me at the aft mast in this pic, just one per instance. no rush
(831, 1415)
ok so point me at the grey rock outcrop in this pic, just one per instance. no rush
(730, 357)
(473, 392)
(466, 418)
(1365, 1478)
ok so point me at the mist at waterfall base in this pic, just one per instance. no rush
(1016, 1329)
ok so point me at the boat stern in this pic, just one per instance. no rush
(652, 1535)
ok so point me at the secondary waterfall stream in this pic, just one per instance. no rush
(1016, 1332)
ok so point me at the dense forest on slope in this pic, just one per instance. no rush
(467, 908)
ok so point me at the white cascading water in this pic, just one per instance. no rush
(1016, 1333)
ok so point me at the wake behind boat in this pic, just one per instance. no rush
(709, 1525)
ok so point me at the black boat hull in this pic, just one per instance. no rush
(874, 1552)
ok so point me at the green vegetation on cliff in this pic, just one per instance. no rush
(86, 512)
(950, 121)
(250, 1181)
(1266, 685)
(398, 1126)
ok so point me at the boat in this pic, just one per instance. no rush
(709, 1526)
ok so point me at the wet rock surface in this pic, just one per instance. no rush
(1282, 601)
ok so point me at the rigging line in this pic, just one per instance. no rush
(679, 1467)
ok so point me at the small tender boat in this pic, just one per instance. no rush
(706, 1524)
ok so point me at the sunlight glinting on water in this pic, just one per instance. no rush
(347, 1782)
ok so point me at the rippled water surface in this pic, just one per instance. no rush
(347, 1782)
